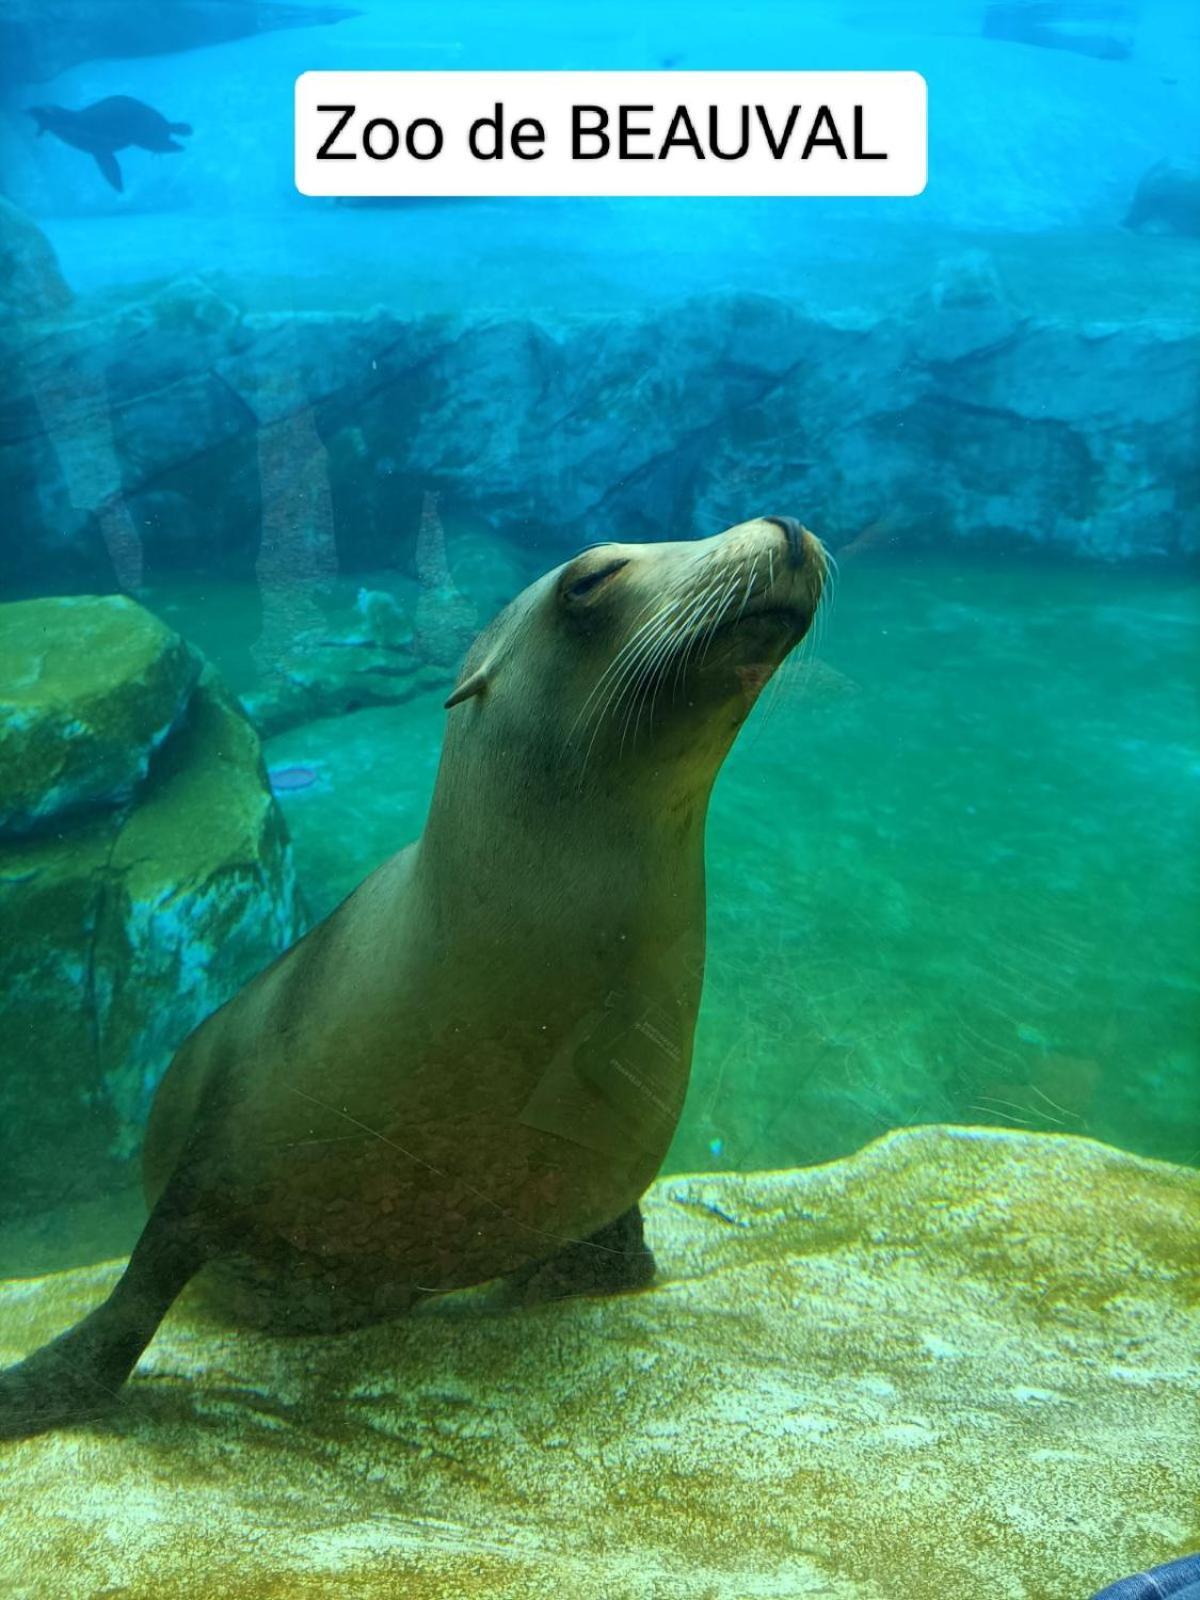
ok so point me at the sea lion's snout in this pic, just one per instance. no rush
(789, 572)
(794, 533)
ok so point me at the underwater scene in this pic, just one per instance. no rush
(599, 829)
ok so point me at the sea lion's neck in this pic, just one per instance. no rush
(613, 855)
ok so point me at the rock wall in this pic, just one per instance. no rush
(172, 431)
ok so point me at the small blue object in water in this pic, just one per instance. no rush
(716, 1147)
(1178, 1580)
(287, 779)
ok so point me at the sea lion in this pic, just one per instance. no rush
(472, 1069)
(107, 126)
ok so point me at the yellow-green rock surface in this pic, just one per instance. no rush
(146, 874)
(89, 687)
(960, 1365)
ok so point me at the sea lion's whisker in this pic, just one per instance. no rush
(749, 589)
(695, 629)
(657, 669)
(621, 661)
(634, 692)
(656, 662)
(666, 652)
(662, 608)
(719, 613)
(988, 1111)
(1073, 1115)
(648, 650)
(626, 662)
(657, 606)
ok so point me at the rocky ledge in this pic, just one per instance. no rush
(961, 1362)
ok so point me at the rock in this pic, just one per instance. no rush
(1167, 200)
(332, 677)
(142, 900)
(203, 896)
(31, 286)
(41, 38)
(444, 619)
(1104, 30)
(967, 311)
(960, 417)
(384, 621)
(489, 570)
(89, 688)
(961, 1362)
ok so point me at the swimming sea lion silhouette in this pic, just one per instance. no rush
(108, 126)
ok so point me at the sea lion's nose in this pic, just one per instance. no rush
(794, 533)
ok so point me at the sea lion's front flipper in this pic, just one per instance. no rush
(107, 162)
(78, 1375)
(614, 1260)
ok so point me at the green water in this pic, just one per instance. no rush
(952, 860)
(953, 866)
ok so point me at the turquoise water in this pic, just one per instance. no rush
(952, 861)
(952, 864)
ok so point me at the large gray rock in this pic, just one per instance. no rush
(960, 1363)
(960, 417)
(31, 285)
(41, 38)
(131, 905)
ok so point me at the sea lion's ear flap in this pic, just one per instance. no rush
(473, 685)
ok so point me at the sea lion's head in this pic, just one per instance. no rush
(49, 119)
(638, 659)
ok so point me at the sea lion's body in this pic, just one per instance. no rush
(367, 1095)
(473, 1068)
(109, 125)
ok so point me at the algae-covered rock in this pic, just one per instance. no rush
(158, 881)
(202, 895)
(89, 687)
(31, 285)
(961, 1362)
(331, 678)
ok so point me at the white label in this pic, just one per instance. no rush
(610, 133)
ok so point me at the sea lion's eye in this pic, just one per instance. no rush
(592, 580)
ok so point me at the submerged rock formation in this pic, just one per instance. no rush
(31, 284)
(961, 1362)
(333, 677)
(960, 417)
(145, 875)
(41, 38)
